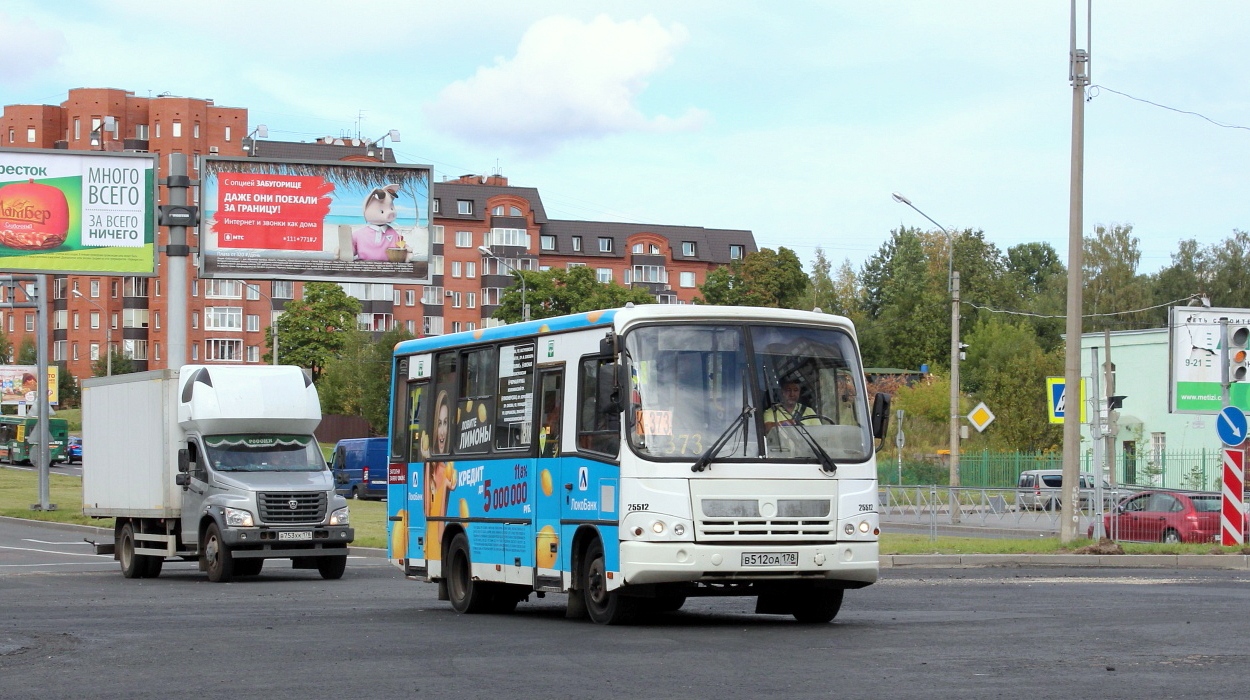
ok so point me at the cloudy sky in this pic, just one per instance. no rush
(795, 120)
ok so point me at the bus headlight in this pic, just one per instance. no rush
(679, 529)
(658, 527)
(340, 517)
(236, 517)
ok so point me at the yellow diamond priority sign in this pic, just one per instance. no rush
(981, 417)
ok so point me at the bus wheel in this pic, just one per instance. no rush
(605, 607)
(817, 605)
(467, 595)
(132, 564)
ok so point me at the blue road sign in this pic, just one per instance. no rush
(1231, 425)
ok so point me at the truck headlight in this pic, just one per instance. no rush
(339, 517)
(236, 517)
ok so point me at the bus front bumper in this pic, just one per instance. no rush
(674, 562)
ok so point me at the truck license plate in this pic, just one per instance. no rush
(295, 535)
(770, 558)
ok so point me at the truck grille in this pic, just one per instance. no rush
(299, 508)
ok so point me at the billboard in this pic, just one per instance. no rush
(77, 212)
(18, 384)
(1195, 369)
(322, 220)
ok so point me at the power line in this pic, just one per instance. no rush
(974, 305)
(1094, 89)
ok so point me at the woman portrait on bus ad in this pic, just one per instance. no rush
(438, 476)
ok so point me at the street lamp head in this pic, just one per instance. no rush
(900, 198)
(76, 293)
(485, 251)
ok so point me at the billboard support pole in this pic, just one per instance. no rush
(40, 454)
(177, 183)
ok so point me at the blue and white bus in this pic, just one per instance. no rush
(634, 457)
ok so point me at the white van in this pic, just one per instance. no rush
(1041, 489)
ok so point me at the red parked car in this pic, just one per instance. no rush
(1166, 516)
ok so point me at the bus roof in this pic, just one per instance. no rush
(620, 318)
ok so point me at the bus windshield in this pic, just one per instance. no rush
(263, 453)
(803, 388)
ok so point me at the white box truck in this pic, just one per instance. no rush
(212, 463)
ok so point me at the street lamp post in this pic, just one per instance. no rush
(525, 308)
(273, 328)
(953, 288)
(108, 333)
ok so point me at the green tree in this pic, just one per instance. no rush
(6, 348)
(28, 352)
(1112, 284)
(66, 387)
(1037, 280)
(763, 278)
(1007, 368)
(314, 330)
(559, 292)
(358, 381)
(905, 305)
(121, 364)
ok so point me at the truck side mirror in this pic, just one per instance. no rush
(184, 461)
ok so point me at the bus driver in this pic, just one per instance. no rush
(790, 411)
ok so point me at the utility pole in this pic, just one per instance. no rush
(177, 183)
(954, 472)
(1079, 75)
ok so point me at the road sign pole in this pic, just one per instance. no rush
(1231, 514)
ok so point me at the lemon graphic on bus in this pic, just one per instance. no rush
(548, 545)
(544, 480)
(481, 413)
(399, 536)
(464, 508)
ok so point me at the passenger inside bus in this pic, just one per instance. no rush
(549, 437)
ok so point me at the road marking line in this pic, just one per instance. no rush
(50, 551)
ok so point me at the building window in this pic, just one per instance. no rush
(253, 353)
(215, 289)
(75, 320)
(195, 288)
(638, 249)
(60, 319)
(95, 320)
(30, 323)
(30, 134)
(135, 349)
(158, 130)
(436, 265)
(605, 245)
(432, 296)
(510, 236)
(1158, 446)
(77, 129)
(195, 319)
(176, 129)
(58, 350)
(455, 268)
(547, 242)
(195, 347)
(735, 252)
(687, 280)
(410, 327)
(577, 244)
(410, 297)
(687, 249)
(650, 273)
(75, 350)
(156, 320)
(134, 318)
(223, 350)
(282, 289)
(135, 287)
(497, 210)
(438, 232)
(141, 132)
(570, 266)
(515, 211)
(253, 323)
(464, 239)
(252, 291)
(227, 134)
(455, 300)
(12, 135)
(604, 275)
(470, 270)
(464, 206)
(455, 327)
(432, 325)
(195, 130)
(472, 300)
(434, 208)
(95, 289)
(655, 249)
(156, 351)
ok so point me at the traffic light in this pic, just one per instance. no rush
(1238, 336)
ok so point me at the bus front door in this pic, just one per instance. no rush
(549, 553)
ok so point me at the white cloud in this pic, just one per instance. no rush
(27, 50)
(568, 80)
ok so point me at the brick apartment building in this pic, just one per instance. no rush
(227, 318)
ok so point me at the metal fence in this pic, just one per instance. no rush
(1196, 470)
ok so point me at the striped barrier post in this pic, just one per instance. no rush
(1231, 516)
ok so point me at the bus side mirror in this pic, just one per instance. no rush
(182, 479)
(184, 461)
(880, 417)
(607, 345)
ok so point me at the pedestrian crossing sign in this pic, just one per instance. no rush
(1058, 398)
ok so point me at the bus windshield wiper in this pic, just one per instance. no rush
(826, 462)
(705, 459)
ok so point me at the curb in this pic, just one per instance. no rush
(1237, 562)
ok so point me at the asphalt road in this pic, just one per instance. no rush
(71, 626)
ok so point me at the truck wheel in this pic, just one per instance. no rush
(152, 566)
(248, 567)
(467, 595)
(220, 563)
(604, 607)
(331, 568)
(133, 565)
(818, 606)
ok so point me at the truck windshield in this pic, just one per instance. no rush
(264, 453)
(804, 387)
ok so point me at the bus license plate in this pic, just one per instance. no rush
(770, 558)
(295, 535)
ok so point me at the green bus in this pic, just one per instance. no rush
(15, 443)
